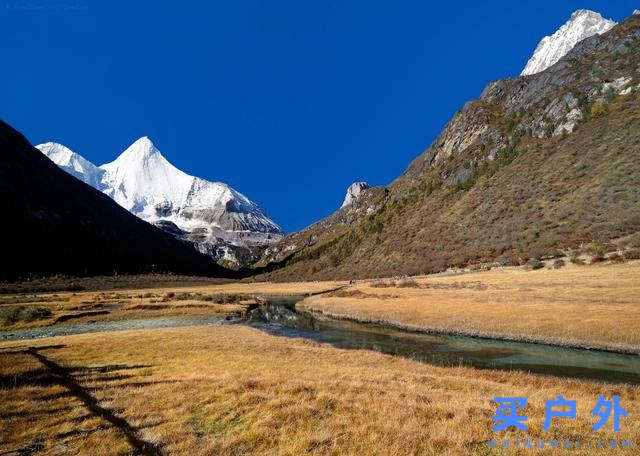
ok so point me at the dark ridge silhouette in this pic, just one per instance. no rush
(54, 223)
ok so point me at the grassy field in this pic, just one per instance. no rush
(46, 309)
(585, 306)
(235, 390)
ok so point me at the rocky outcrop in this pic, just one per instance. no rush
(353, 193)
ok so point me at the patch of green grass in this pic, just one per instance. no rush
(21, 313)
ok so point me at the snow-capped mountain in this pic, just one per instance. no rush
(353, 193)
(582, 24)
(73, 163)
(218, 219)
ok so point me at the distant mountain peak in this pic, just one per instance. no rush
(140, 149)
(353, 193)
(144, 182)
(582, 24)
(144, 144)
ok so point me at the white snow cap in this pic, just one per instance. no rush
(353, 193)
(636, 12)
(142, 181)
(582, 24)
(73, 163)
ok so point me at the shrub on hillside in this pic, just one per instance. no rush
(577, 260)
(535, 264)
(558, 264)
(598, 109)
(633, 254)
(616, 258)
(596, 248)
(382, 283)
(22, 313)
(407, 283)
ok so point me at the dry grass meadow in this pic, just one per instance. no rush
(585, 306)
(46, 309)
(235, 391)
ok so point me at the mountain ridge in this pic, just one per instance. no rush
(535, 164)
(57, 224)
(220, 221)
(582, 24)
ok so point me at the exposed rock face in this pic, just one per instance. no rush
(353, 193)
(582, 24)
(210, 214)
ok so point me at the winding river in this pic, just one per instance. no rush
(280, 317)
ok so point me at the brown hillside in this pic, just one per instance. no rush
(536, 164)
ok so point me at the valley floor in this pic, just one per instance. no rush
(594, 306)
(233, 389)
(236, 390)
(47, 310)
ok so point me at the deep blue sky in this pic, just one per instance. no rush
(287, 101)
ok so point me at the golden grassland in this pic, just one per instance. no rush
(584, 306)
(78, 307)
(231, 390)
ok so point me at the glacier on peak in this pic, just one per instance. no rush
(144, 182)
(582, 24)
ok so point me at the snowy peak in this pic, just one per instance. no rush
(74, 164)
(144, 182)
(141, 149)
(582, 24)
(141, 154)
(353, 193)
(141, 177)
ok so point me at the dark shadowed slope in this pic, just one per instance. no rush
(53, 223)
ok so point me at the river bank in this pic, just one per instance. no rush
(588, 307)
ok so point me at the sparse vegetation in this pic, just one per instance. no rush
(535, 264)
(504, 187)
(199, 300)
(14, 314)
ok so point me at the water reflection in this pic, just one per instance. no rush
(280, 317)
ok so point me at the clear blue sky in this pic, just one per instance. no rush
(287, 101)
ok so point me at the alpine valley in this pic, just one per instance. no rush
(453, 311)
(537, 165)
(218, 220)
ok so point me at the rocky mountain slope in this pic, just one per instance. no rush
(55, 224)
(537, 163)
(582, 24)
(220, 221)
